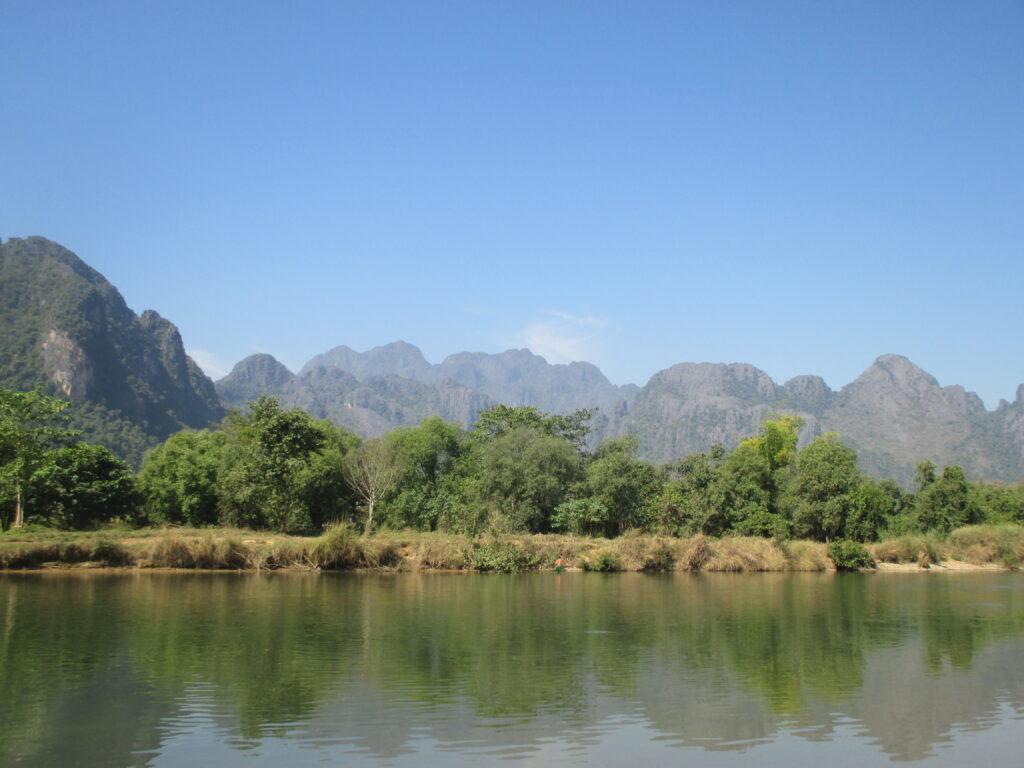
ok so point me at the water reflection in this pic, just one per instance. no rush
(154, 669)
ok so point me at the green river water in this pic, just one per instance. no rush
(168, 669)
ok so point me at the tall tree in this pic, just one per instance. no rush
(29, 430)
(372, 470)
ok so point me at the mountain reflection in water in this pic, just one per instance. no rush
(218, 669)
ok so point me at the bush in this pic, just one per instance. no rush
(604, 561)
(496, 556)
(661, 559)
(849, 555)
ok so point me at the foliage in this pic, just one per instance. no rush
(945, 503)
(663, 558)
(372, 471)
(501, 419)
(849, 555)
(603, 562)
(179, 479)
(496, 556)
(524, 474)
(29, 430)
(823, 489)
(81, 486)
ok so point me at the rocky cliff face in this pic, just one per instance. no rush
(67, 328)
(691, 406)
(894, 414)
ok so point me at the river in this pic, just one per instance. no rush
(168, 669)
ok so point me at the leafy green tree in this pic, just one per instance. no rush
(753, 476)
(268, 454)
(745, 485)
(321, 486)
(875, 505)
(822, 491)
(945, 503)
(29, 430)
(776, 441)
(501, 419)
(622, 485)
(997, 503)
(81, 486)
(180, 479)
(691, 501)
(524, 474)
(924, 474)
(427, 454)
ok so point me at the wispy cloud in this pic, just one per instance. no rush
(212, 365)
(562, 337)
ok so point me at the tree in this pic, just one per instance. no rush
(501, 419)
(524, 474)
(266, 458)
(29, 430)
(372, 470)
(823, 488)
(427, 454)
(622, 484)
(83, 485)
(946, 503)
(180, 479)
(692, 501)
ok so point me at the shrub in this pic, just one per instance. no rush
(663, 558)
(849, 555)
(496, 556)
(604, 562)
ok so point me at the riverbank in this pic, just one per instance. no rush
(340, 548)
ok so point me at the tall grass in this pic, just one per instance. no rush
(341, 547)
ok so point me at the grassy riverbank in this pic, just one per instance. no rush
(340, 548)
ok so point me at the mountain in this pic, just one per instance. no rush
(68, 329)
(131, 384)
(513, 377)
(690, 406)
(370, 406)
(894, 414)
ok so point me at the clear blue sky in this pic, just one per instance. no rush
(798, 185)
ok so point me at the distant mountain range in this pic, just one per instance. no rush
(66, 327)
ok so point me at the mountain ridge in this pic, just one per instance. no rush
(65, 327)
(894, 413)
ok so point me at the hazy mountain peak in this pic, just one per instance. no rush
(1020, 395)
(900, 370)
(740, 381)
(397, 358)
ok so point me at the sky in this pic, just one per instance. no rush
(802, 186)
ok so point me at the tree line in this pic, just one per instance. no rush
(517, 469)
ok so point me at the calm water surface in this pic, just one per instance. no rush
(106, 669)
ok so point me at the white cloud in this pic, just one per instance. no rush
(212, 365)
(562, 337)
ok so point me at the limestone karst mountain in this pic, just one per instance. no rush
(68, 329)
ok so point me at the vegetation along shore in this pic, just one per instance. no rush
(271, 487)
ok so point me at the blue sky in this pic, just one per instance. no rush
(798, 185)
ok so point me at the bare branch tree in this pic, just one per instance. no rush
(372, 471)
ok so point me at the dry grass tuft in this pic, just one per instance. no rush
(911, 548)
(806, 555)
(746, 554)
